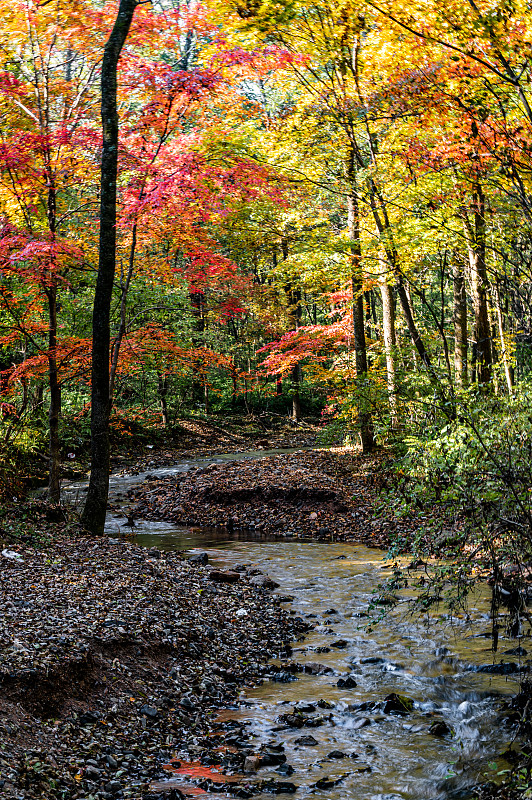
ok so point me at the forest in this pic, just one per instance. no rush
(265, 226)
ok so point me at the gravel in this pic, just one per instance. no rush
(114, 658)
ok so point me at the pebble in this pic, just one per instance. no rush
(110, 659)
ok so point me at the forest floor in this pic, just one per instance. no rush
(114, 658)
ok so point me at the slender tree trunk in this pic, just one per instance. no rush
(359, 337)
(460, 326)
(295, 375)
(500, 325)
(54, 413)
(93, 517)
(476, 242)
(124, 287)
(295, 313)
(388, 331)
(162, 390)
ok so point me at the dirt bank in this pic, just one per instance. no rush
(318, 494)
(114, 658)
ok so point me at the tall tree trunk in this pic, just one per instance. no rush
(295, 375)
(93, 517)
(197, 307)
(388, 331)
(460, 326)
(295, 314)
(124, 288)
(500, 325)
(359, 337)
(162, 391)
(54, 413)
(476, 244)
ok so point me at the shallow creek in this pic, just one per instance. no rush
(387, 756)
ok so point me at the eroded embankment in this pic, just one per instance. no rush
(113, 657)
(328, 495)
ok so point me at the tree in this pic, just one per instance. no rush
(95, 509)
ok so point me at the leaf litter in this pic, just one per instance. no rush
(114, 659)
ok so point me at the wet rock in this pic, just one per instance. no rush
(340, 644)
(324, 704)
(201, 558)
(328, 783)
(346, 683)
(251, 764)
(219, 576)
(272, 759)
(187, 704)
(304, 708)
(397, 704)
(306, 741)
(330, 611)
(285, 769)
(272, 786)
(263, 582)
(92, 773)
(516, 651)
(313, 668)
(504, 668)
(360, 722)
(283, 677)
(373, 660)
(337, 754)
(440, 729)
(292, 720)
(386, 599)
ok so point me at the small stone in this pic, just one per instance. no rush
(313, 668)
(306, 741)
(263, 582)
(305, 708)
(251, 763)
(337, 754)
(440, 729)
(360, 722)
(346, 683)
(198, 558)
(397, 704)
(219, 576)
(92, 773)
(149, 711)
(285, 769)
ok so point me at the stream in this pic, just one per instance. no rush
(449, 741)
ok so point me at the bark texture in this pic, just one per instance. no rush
(460, 326)
(93, 517)
(359, 336)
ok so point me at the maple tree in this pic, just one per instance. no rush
(308, 198)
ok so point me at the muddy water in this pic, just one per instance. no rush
(387, 756)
